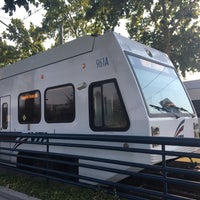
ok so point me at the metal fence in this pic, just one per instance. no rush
(102, 160)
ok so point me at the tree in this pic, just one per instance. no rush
(27, 42)
(105, 14)
(70, 15)
(10, 5)
(170, 26)
(8, 53)
(79, 18)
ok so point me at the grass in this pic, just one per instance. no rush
(49, 190)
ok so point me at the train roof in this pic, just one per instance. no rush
(81, 46)
(192, 84)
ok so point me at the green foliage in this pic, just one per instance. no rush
(169, 26)
(105, 14)
(26, 42)
(48, 190)
(70, 15)
(10, 5)
(8, 53)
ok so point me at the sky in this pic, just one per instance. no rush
(36, 19)
(20, 13)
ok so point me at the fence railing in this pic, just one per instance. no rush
(133, 167)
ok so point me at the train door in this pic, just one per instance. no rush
(4, 126)
(5, 113)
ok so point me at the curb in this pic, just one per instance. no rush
(14, 195)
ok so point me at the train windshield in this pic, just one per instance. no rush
(161, 88)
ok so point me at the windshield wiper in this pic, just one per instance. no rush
(168, 105)
(164, 109)
(183, 109)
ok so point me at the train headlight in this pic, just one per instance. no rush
(155, 131)
(196, 130)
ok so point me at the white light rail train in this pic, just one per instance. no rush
(107, 85)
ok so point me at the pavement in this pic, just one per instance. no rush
(8, 194)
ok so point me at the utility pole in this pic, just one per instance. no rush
(61, 33)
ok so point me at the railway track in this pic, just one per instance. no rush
(176, 188)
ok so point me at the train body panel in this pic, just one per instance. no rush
(193, 88)
(97, 85)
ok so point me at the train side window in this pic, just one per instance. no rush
(4, 115)
(29, 107)
(60, 104)
(107, 110)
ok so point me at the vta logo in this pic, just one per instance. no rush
(179, 130)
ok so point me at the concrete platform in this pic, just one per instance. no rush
(8, 194)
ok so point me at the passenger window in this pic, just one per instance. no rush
(29, 107)
(107, 110)
(4, 115)
(60, 104)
